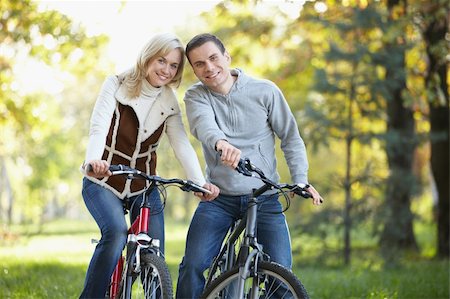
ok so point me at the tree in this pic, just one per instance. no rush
(400, 135)
(362, 105)
(37, 129)
(348, 106)
(433, 23)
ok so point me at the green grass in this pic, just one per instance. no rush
(28, 278)
(52, 264)
(424, 279)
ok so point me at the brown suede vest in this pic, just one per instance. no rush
(123, 147)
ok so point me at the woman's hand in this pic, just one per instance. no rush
(97, 169)
(208, 197)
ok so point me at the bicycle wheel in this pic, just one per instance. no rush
(152, 282)
(271, 281)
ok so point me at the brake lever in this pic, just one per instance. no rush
(244, 167)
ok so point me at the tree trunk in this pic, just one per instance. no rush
(434, 32)
(5, 186)
(348, 205)
(400, 146)
(439, 118)
(348, 176)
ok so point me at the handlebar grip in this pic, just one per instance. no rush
(116, 167)
(301, 190)
(190, 186)
(304, 193)
(112, 168)
(206, 191)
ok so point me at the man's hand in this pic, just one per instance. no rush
(230, 155)
(208, 197)
(317, 199)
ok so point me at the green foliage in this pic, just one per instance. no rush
(41, 130)
(319, 60)
(333, 66)
(345, 112)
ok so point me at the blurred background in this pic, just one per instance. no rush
(366, 80)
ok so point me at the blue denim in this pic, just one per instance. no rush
(209, 226)
(107, 210)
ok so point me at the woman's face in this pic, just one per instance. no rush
(162, 69)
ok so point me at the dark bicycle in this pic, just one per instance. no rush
(242, 269)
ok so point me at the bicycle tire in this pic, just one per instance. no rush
(152, 282)
(274, 275)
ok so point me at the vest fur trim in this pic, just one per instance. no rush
(125, 144)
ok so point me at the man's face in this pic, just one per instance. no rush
(211, 66)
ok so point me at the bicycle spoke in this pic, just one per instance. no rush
(153, 281)
(275, 287)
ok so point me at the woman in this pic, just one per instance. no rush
(131, 113)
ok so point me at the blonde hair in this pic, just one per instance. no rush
(158, 45)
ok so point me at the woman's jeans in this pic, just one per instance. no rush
(108, 212)
(208, 228)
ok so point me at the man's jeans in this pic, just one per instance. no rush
(107, 210)
(208, 228)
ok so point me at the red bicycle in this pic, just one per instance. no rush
(142, 271)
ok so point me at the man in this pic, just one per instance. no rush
(235, 115)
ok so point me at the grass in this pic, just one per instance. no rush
(425, 279)
(52, 264)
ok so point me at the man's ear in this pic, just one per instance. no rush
(227, 56)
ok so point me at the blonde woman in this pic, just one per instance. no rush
(132, 112)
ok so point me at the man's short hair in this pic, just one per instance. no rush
(201, 39)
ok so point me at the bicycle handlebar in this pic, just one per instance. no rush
(185, 185)
(246, 168)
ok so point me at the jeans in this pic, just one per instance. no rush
(208, 229)
(107, 210)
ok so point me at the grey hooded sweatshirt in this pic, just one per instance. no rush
(248, 117)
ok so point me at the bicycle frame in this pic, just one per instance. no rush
(249, 259)
(250, 251)
(137, 238)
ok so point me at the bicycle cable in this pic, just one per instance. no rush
(279, 193)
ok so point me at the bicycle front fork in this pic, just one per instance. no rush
(134, 246)
(249, 269)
